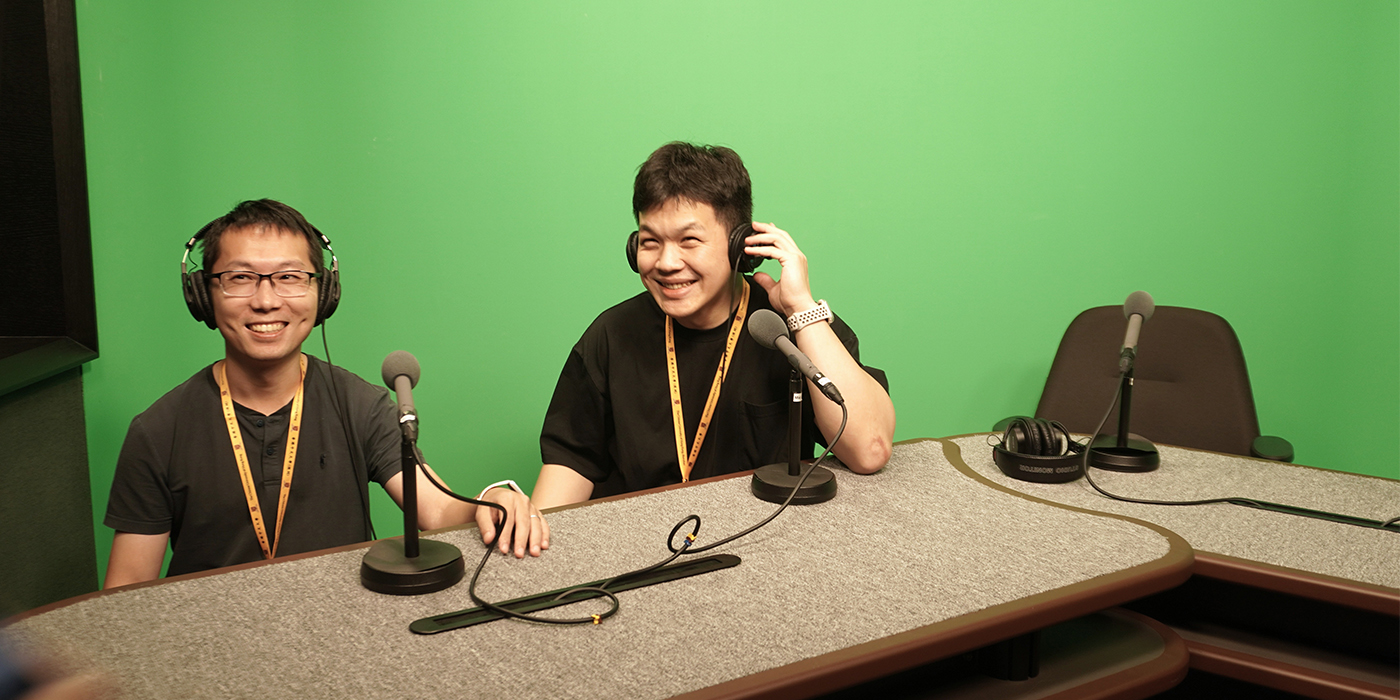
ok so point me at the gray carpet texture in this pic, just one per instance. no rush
(916, 544)
(1306, 544)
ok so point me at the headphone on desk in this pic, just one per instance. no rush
(196, 285)
(1039, 450)
(737, 259)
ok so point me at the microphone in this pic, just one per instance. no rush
(771, 332)
(400, 372)
(1138, 310)
(408, 566)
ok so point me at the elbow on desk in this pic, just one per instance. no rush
(871, 457)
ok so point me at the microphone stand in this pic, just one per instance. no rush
(407, 566)
(773, 482)
(1124, 452)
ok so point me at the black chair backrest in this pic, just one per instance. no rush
(1191, 386)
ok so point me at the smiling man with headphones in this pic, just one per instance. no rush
(268, 451)
(667, 386)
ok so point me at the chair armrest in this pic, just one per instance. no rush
(1272, 447)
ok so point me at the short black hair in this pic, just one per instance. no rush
(714, 175)
(258, 214)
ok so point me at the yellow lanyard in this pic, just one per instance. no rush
(677, 416)
(250, 488)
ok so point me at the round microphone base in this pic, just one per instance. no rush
(385, 569)
(772, 483)
(1138, 455)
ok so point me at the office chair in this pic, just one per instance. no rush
(1191, 386)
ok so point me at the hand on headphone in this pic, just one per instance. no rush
(792, 293)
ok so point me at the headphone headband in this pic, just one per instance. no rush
(1032, 449)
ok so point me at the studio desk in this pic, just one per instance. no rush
(1306, 606)
(922, 564)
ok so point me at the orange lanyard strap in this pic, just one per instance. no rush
(240, 455)
(677, 415)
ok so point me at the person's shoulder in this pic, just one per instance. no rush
(625, 314)
(620, 320)
(336, 376)
(182, 399)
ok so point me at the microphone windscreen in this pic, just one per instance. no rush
(1139, 303)
(766, 327)
(400, 362)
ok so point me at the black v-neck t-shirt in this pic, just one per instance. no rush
(176, 472)
(610, 417)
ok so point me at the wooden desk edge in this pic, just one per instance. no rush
(881, 657)
(1282, 579)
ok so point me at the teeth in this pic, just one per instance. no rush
(677, 285)
(266, 327)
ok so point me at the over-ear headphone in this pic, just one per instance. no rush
(1035, 449)
(196, 284)
(737, 259)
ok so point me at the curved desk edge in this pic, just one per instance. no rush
(881, 657)
(1160, 674)
(1303, 584)
(1296, 582)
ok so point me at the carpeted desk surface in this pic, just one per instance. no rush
(1306, 544)
(916, 544)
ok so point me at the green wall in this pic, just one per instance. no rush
(964, 177)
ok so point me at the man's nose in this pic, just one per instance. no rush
(264, 296)
(670, 258)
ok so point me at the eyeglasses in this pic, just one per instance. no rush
(285, 283)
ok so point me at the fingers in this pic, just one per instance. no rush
(486, 522)
(539, 532)
(524, 529)
(766, 281)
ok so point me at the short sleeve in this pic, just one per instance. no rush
(140, 500)
(382, 440)
(575, 432)
(848, 338)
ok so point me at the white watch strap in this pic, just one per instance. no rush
(820, 312)
(509, 483)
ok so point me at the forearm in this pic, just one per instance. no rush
(865, 446)
(437, 509)
(559, 485)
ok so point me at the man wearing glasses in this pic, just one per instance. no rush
(269, 451)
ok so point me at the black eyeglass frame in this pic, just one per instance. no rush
(276, 289)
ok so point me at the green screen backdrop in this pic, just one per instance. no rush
(964, 176)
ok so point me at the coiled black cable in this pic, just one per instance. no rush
(602, 589)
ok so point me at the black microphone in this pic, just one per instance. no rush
(408, 566)
(771, 332)
(1138, 310)
(400, 372)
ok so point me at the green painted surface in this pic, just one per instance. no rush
(964, 177)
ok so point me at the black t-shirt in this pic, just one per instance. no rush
(176, 472)
(610, 417)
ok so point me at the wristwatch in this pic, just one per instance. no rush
(801, 319)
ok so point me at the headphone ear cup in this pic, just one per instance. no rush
(329, 296)
(197, 298)
(1049, 445)
(1015, 437)
(738, 260)
(632, 251)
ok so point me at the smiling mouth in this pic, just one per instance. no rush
(675, 285)
(267, 327)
